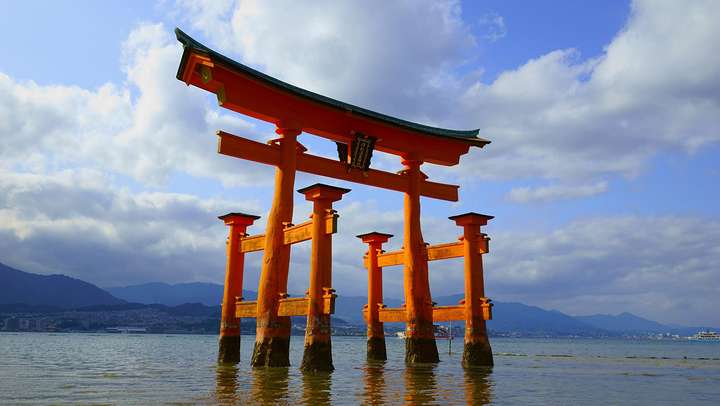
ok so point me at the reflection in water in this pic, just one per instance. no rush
(383, 383)
(374, 378)
(270, 385)
(478, 385)
(316, 388)
(226, 383)
(421, 384)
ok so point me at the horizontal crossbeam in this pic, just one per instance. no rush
(238, 147)
(293, 234)
(440, 313)
(287, 307)
(434, 253)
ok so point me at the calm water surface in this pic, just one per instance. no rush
(175, 369)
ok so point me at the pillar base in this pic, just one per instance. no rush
(477, 353)
(229, 350)
(421, 350)
(271, 352)
(317, 357)
(376, 349)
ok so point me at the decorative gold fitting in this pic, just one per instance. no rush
(205, 74)
(221, 95)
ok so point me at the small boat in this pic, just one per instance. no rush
(441, 333)
(705, 336)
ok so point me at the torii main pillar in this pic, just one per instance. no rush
(420, 344)
(272, 340)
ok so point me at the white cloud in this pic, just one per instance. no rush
(494, 25)
(555, 192)
(76, 222)
(560, 117)
(664, 268)
(391, 56)
(166, 129)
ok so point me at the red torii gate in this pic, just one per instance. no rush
(357, 132)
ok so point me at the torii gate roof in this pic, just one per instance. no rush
(253, 93)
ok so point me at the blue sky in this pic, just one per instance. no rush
(601, 174)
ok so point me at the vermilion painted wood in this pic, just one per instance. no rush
(243, 148)
(238, 223)
(276, 260)
(287, 307)
(248, 96)
(317, 333)
(375, 292)
(434, 253)
(420, 333)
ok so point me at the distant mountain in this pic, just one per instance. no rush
(507, 317)
(18, 287)
(624, 322)
(628, 323)
(209, 294)
(518, 317)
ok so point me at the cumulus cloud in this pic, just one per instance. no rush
(390, 56)
(165, 129)
(75, 222)
(664, 268)
(559, 116)
(555, 192)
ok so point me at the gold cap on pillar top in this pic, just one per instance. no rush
(238, 218)
(471, 218)
(374, 236)
(323, 191)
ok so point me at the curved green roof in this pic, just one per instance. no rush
(191, 45)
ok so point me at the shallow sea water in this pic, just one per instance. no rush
(43, 368)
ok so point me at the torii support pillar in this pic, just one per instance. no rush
(229, 351)
(318, 346)
(272, 339)
(420, 346)
(477, 350)
(375, 330)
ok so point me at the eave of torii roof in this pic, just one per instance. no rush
(191, 46)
